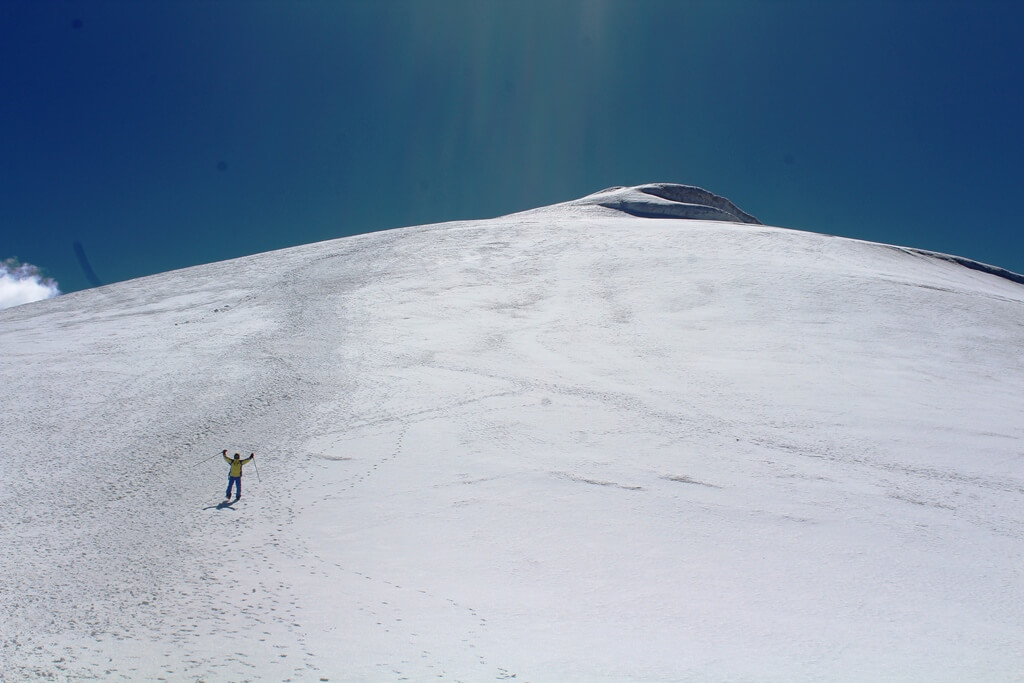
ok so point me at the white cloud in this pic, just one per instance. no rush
(22, 283)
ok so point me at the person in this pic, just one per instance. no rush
(235, 475)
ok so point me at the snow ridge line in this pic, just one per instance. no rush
(668, 200)
(966, 263)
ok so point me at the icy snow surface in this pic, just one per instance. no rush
(667, 200)
(567, 444)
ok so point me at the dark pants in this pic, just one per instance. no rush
(237, 482)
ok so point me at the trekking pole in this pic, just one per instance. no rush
(256, 468)
(207, 460)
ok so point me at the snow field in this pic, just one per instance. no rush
(561, 445)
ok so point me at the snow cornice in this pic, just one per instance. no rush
(668, 200)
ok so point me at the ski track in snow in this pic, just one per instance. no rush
(553, 446)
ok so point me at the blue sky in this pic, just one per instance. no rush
(159, 135)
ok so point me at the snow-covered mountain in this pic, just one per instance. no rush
(574, 443)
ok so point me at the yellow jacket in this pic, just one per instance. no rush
(236, 465)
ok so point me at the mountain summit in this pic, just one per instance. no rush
(668, 200)
(575, 443)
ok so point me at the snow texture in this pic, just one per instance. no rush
(567, 444)
(668, 200)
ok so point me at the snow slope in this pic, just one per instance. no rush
(567, 444)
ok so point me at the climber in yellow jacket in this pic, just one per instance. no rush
(235, 475)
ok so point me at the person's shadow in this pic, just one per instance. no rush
(220, 506)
